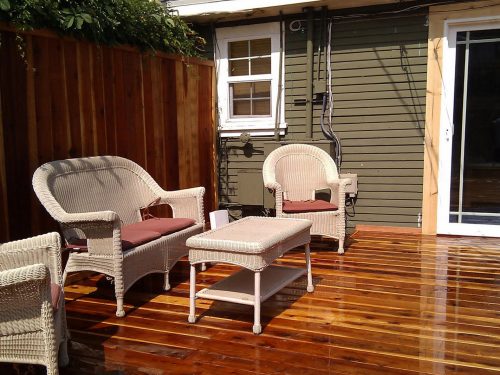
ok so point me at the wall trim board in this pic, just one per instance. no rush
(386, 229)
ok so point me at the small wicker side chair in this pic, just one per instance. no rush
(296, 173)
(32, 314)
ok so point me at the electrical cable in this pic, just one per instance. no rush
(328, 130)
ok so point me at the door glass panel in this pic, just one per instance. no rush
(475, 178)
(485, 34)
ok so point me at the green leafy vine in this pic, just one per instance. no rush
(147, 24)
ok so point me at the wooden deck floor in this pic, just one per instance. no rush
(393, 304)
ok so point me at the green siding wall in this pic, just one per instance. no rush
(379, 86)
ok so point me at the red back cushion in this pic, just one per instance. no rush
(55, 294)
(307, 206)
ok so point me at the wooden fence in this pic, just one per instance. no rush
(62, 98)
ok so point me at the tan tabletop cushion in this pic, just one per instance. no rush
(253, 235)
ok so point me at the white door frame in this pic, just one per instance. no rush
(451, 27)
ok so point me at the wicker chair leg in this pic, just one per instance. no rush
(52, 369)
(166, 282)
(341, 246)
(120, 312)
(51, 357)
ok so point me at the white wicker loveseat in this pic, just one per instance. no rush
(32, 314)
(295, 173)
(98, 201)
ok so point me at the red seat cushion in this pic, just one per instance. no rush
(139, 233)
(161, 225)
(291, 207)
(132, 237)
(55, 294)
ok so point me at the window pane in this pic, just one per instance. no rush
(241, 90)
(485, 34)
(260, 47)
(238, 49)
(261, 65)
(241, 108)
(262, 89)
(238, 68)
(262, 107)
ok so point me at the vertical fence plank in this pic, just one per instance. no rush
(84, 94)
(193, 133)
(73, 98)
(32, 146)
(98, 102)
(183, 124)
(172, 122)
(108, 82)
(206, 141)
(4, 203)
(41, 58)
(59, 103)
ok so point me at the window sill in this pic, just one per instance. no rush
(255, 130)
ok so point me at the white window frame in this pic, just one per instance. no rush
(263, 126)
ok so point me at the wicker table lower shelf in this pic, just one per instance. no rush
(239, 287)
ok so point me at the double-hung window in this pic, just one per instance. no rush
(248, 80)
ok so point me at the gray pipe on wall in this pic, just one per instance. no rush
(309, 73)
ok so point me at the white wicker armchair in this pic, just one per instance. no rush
(32, 328)
(295, 173)
(94, 199)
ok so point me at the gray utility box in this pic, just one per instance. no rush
(251, 189)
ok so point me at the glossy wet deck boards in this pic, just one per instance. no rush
(393, 304)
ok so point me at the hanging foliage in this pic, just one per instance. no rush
(147, 24)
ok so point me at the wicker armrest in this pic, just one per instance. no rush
(276, 188)
(44, 249)
(23, 292)
(338, 188)
(273, 185)
(83, 218)
(186, 203)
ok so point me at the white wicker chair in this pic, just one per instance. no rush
(32, 329)
(295, 173)
(93, 197)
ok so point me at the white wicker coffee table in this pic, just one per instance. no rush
(252, 243)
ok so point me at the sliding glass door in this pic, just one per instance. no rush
(469, 196)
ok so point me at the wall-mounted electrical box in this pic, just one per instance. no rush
(352, 189)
